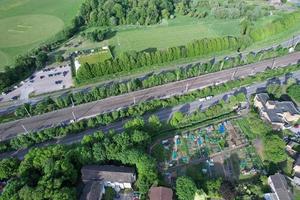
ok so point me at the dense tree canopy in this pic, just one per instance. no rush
(185, 188)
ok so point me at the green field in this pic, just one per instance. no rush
(178, 31)
(95, 58)
(24, 24)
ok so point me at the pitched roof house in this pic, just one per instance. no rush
(97, 177)
(279, 188)
(280, 114)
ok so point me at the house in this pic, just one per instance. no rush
(97, 177)
(279, 187)
(296, 169)
(110, 175)
(93, 190)
(160, 193)
(280, 114)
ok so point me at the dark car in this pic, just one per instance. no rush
(58, 82)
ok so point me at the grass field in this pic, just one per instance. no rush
(95, 58)
(26, 23)
(178, 31)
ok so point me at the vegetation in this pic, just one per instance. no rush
(294, 92)
(275, 26)
(26, 24)
(96, 34)
(185, 188)
(32, 138)
(131, 60)
(273, 145)
(54, 172)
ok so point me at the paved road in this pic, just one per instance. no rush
(12, 129)
(163, 114)
(7, 107)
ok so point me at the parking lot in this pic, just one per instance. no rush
(53, 78)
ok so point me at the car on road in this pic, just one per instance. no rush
(41, 77)
(58, 82)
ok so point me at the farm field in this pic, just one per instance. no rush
(26, 23)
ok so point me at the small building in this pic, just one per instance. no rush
(97, 177)
(160, 193)
(280, 114)
(279, 187)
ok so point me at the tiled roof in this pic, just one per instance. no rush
(160, 193)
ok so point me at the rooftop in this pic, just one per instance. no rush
(160, 193)
(109, 173)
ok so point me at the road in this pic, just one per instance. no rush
(10, 106)
(12, 129)
(163, 114)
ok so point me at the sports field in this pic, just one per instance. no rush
(26, 23)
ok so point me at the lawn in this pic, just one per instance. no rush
(95, 58)
(175, 32)
(24, 24)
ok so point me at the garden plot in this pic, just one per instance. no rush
(195, 145)
(243, 163)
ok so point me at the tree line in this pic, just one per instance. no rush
(279, 25)
(117, 88)
(129, 61)
(142, 12)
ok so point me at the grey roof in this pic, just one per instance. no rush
(279, 108)
(92, 190)
(281, 187)
(263, 97)
(109, 173)
(273, 116)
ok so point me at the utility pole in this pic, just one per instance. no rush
(273, 63)
(26, 131)
(72, 102)
(27, 111)
(187, 87)
(74, 116)
(233, 74)
(253, 71)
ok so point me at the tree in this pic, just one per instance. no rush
(176, 119)
(275, 90)
(8, 167)
(185, 188)
(109, 194)
(154, 122)
(41, 59)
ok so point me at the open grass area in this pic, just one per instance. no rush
(95, 58)
(175, 32)
(24, 24)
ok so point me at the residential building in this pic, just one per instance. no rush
(297, 171)
(97, 177)
(281, 115)
(279, 187)
(93, 190)
(160, 193)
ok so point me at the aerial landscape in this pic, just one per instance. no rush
(150, 99)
